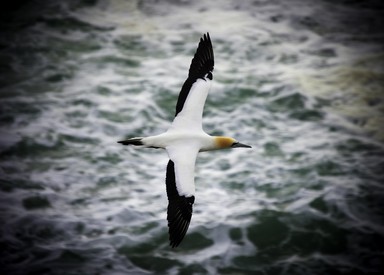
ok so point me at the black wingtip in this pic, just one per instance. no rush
(179, 212)
(203, 60)
(201, 67)
(179, 217)
(207, 37)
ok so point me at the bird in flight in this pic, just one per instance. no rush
(185, 139)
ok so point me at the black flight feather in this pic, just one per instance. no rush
(201, 67)
(179, 212)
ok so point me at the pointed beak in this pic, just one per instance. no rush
(239, 145)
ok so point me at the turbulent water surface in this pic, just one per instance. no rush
(300, 81)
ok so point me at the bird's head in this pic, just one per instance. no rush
(228, 142)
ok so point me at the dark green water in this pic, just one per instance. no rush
(301, 81)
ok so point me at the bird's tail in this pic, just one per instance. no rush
(132, 141)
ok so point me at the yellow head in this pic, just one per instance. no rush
(228, 142)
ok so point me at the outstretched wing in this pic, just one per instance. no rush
(190, 104)
(180, 191)
(179, 211)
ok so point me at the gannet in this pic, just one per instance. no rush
(185, 139)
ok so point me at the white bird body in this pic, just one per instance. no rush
(201, 140)
(185, 139)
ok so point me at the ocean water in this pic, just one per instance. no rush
(300, 81)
